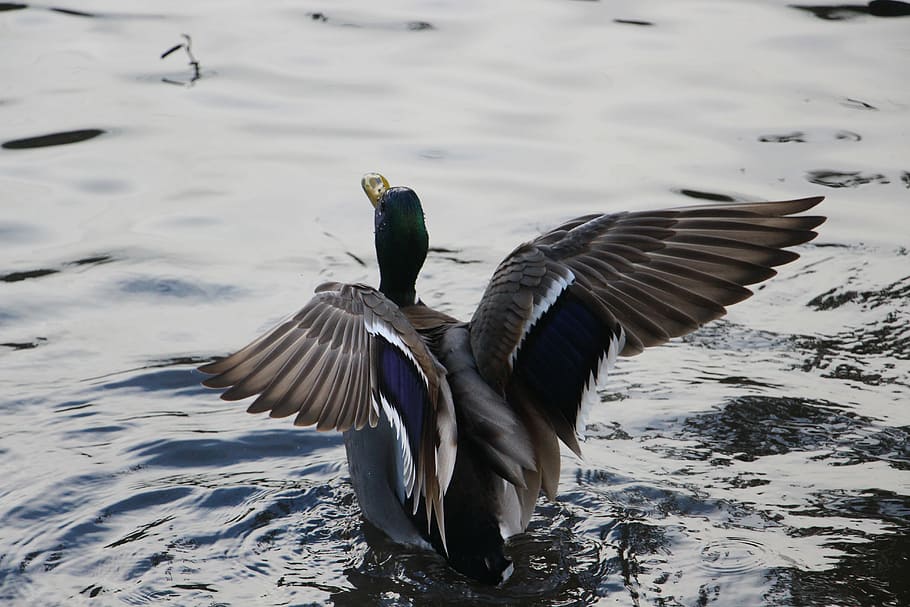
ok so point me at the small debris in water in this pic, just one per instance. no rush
(187, 46)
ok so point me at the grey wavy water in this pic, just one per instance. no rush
(167, 198)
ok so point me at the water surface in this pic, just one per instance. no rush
(160, 211)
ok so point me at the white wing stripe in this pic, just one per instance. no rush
(560, 284)
(377, 327)
(589, 396)
(401, 434)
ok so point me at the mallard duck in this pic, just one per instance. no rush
(452, 428)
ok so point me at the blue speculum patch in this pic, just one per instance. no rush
(400, 382)
(560, 353)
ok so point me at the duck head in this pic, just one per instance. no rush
(401, 237)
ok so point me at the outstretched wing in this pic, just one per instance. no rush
(349, 352)
(560, 308)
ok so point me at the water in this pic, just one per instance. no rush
(158, 213)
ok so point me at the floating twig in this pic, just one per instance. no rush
(194, 63)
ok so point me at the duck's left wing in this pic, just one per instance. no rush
(560, 308)
(347, 354)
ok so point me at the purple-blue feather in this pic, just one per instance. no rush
(560, 352)
(403, 387)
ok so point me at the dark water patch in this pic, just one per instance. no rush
(54, 557)
(634, 544)
(142, 500)
(841, 12)
(42, 272)
(460, 261)
(355, 258)
(848, 136)
(52, 139)
(751, 427)
(889, 8)
(832, 299)
(830, 245)
(148, 563)
(27, 275)
(700, 195)
(256, 447)
(197, 586)
(9, 6)
(794, 137)
(64, 499)
(742, 381)
(453, 255)
(176, 361)
(745, 481)
(872, 568)
(412, 26)
(874, 504)
(633, 22)
(93, 260)
(889, 445)
(857, 104)
(316, 533)
(140, 533)
(723, 334)
(611, 431)
(848, 179)
(24, 345)
(871, 573)
(896, 294)
(92, 590)
(221, 497)
(865, 352)
(181, 381)
(607, 494)
(72, 13)
(852, 373)
(889, 337)
(213, 480)
(176, 288)
(802, 137)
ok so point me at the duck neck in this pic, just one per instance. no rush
(401, 244)
(398, 270)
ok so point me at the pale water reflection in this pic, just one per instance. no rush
(159, 213)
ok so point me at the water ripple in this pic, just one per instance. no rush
(733, 555)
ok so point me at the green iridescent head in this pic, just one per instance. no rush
(401, 237)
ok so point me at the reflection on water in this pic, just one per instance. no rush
(42, 141)
(761, 460)
(876, 8)
(852, 179)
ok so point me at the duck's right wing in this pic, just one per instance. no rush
(349, 352)
(560, 308)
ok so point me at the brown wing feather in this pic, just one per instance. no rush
(660, 273)
(634, 280)
(322, 366)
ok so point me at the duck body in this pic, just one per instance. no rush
(492, 445)
(452, 428)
